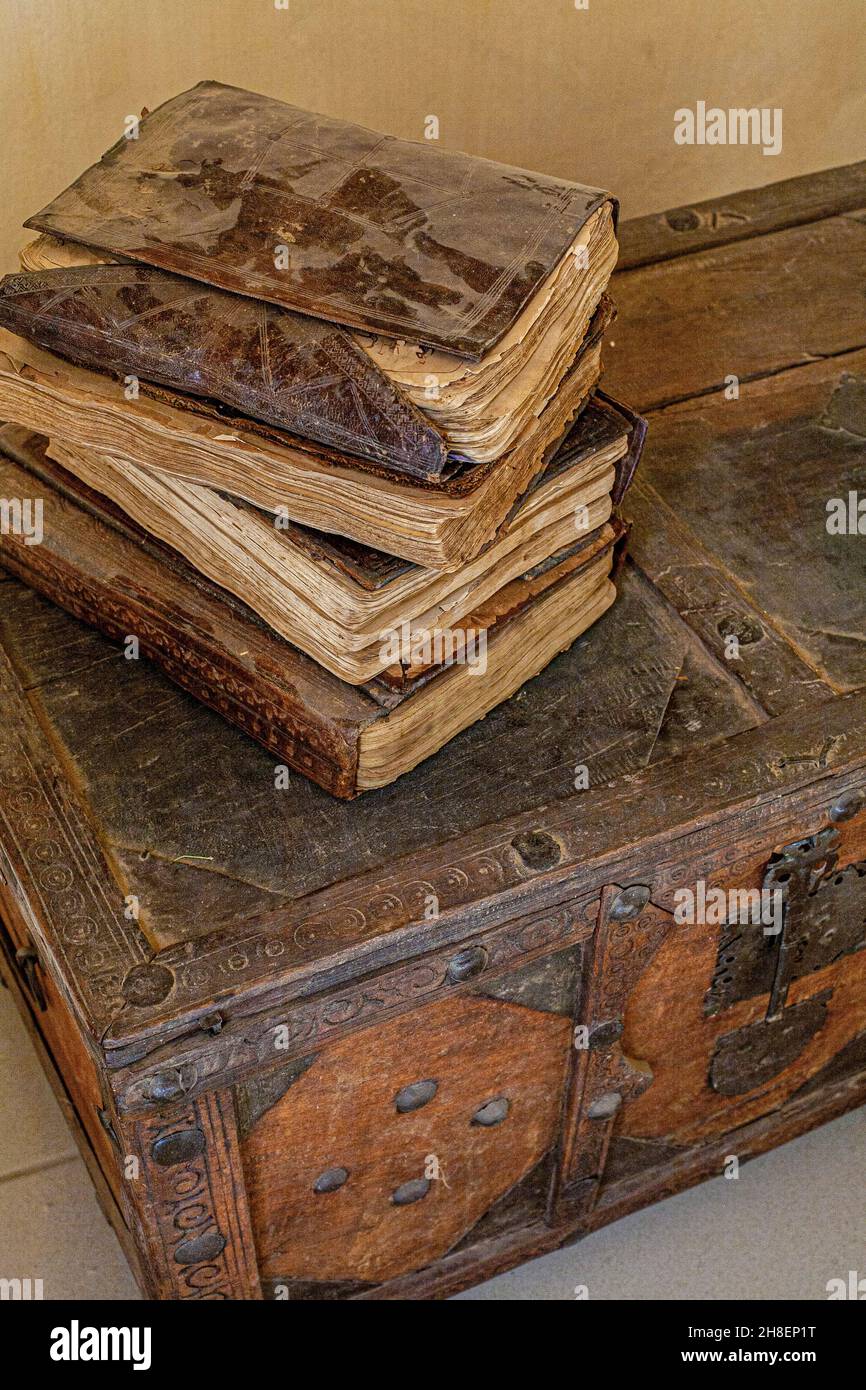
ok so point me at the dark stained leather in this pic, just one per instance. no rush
(605, 411)
(294, 372)
(387, 235)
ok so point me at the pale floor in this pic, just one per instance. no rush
(793, 1219)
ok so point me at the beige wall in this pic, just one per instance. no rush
(586, 94)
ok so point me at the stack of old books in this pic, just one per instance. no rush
(313, 416)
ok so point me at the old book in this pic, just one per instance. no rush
(299, 374)
(472, 410)
(475, 282)
(340, 604)
(388, 236)
(439, 524)
(96, 563)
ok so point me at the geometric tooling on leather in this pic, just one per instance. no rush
(294, 373)
(823, 919)
(756, 1053)
(342, 1169)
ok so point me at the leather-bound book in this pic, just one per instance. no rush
(103, 568)
(393, 237)
(336, 600)
(379, 338)
(410, 305)
(440, 523)
(410, 409)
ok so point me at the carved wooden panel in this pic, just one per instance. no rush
(604, 1076)
(298, 1027)
(53, 872)
(339, 1168)
(52, 1019)
(185, 1202)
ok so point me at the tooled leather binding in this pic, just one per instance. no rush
(315, 214)
(297, 373)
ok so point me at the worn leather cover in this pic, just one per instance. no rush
(605, 413)
(386, 235)
(294, 372)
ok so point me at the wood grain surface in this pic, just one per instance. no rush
(264, 909)
(341, 1113)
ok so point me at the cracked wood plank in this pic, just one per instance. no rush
(749, 790)
(737, 216)
(748, 309)
(731, 525)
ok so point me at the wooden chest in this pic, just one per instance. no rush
(388, 1048)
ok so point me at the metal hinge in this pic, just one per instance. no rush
(106, 1122)
(27, 962)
